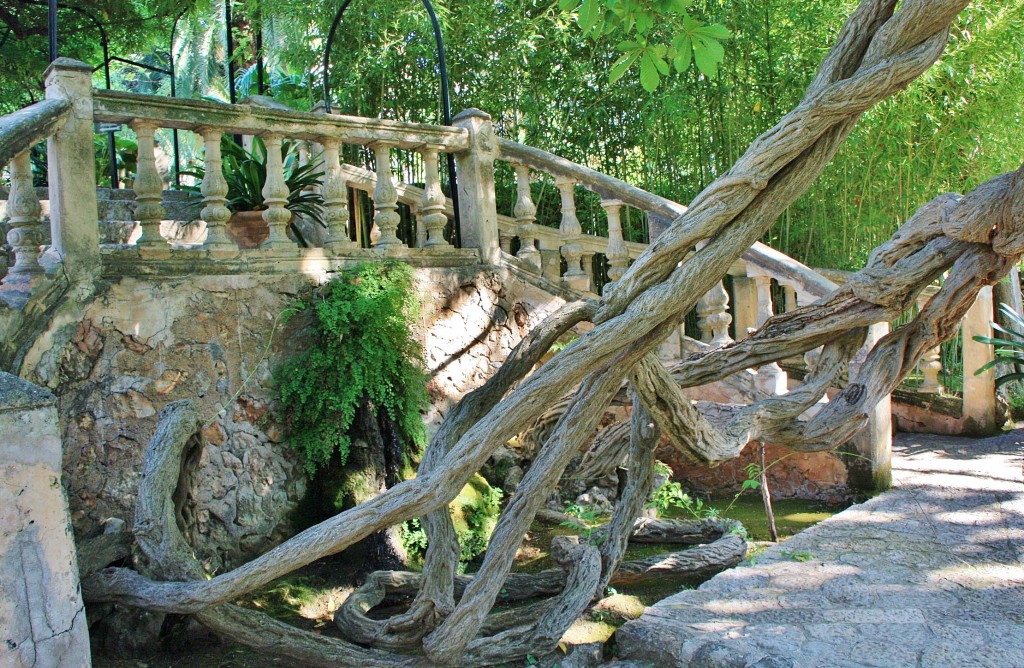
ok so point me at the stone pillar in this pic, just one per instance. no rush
(478, 210)
(872, 470)
(713, 316)
(433, 216)
(41, 612)
(74, 219)
(931, 362)
(587, 260)
(148, 192)
(571, 231)
(770, 378)
(335, 194)
(215, 197)
(617, 254)
(25, 234)
(525, 212)
(551, 262)
(744, 310)
(979, 390)
(275, 195)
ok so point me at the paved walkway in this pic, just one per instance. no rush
(929, 574)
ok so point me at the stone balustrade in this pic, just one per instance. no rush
(367, 211)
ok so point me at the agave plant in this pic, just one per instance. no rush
(246, 173)
(1009, 347)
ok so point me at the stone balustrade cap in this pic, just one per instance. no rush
(64, 63)
(16, 394)
(472, 112)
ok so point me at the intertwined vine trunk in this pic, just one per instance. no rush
(976, 239)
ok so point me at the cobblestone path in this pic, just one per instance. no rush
(929, 574)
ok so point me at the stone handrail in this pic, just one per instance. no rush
(255, 119)
(27, 127)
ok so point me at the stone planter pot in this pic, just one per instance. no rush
(248, 229)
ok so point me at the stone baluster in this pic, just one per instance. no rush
(335, 194)
(24, 212)
(618, 254)
(385, 199)
(713, 316)
(525, 212)
(931, 365)
(571, 231)
(790, 301)
(214, 188)
(587, 260)
(432, 213)
(770, 378)
(275, 196)
(505, 241)
(979, 389)
(148, 190)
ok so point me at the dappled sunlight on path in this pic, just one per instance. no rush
(928, 574)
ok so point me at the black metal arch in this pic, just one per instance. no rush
(446, 104)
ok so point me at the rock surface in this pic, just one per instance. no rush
(141, 344)
(929, 574)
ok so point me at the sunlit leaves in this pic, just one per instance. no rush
(650, 25)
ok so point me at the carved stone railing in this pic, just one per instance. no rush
(561, 256)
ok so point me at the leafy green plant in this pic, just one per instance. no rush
(696, 41)
(362, 346)
(1009, 347)
(583, 519)
(246, 174)
(671, 495)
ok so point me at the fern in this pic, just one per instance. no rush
(363, 346)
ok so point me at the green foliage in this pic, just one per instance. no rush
(1009, 347)
(649, 26)
(362, 346)
(671, 495)
(475, 514)
(583, 522)
(246, 174)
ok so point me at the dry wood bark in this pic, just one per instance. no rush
(978, 237)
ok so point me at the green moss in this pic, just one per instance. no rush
(474, 513)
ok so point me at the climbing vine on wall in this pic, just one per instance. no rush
(362, 345)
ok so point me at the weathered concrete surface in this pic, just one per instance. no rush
(930, 574)
(115, 361)
(42, 619)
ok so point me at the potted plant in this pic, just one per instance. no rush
(246, 173)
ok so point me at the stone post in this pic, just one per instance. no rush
(215, 197)
(478, 210)
(275, 195)
(148, 193)
(41, 610)
(744, 310)
(872, 470)
(335, 194)
(25, 235)
(432, 213)
(550, 263)
(770, 378)
(979, 390)
(618, 254)
(574, 278)
(931, 362)
(713, 316)
(525, 212)
(74, 219)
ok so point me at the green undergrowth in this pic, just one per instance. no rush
(474, 513)
(791, 515)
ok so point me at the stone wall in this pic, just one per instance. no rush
(42, 618)
(143, 343)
